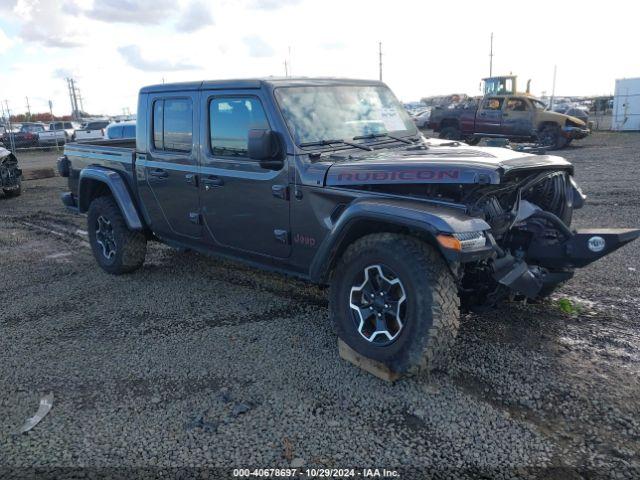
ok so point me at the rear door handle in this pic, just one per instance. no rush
(212, 182)
(158, 172)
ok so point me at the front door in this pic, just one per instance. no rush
(244, 206)
(489, 116)
(517, 119)
(170, 185)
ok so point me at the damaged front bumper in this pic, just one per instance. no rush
(552, 264)
(575, 133)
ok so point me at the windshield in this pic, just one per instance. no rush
(342, 112)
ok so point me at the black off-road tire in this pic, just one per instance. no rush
(432, 310)
(130, 246)
(550, 137)
(450, 133)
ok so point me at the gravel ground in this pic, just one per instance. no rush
(195, 362)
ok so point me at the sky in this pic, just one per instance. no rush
(114, 47)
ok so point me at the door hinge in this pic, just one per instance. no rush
(280, 191)
(282, 236)
(195, 217)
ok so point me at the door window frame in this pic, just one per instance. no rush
(209, 148)
(159, 153)
(499, 99)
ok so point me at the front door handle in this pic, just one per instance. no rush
(212, 182)
(158, 172)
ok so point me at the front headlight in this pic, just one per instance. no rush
(463, 242)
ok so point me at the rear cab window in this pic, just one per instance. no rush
(173, 125)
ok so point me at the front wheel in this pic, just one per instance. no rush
(117, 249)
(550, 137)
(393, 299)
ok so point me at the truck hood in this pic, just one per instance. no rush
(439, 162)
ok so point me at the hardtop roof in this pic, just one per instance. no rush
(254, 83)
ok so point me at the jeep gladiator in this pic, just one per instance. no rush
(330, 181)
(518, 117)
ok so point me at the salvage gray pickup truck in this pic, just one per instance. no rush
(330, 181)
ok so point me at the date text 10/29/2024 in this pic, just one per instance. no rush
(315, 473)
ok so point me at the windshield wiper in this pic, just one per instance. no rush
(378, 135)
(333, 141)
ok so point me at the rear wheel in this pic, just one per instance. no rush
(117, 249)
(394, 300)
(451, 133)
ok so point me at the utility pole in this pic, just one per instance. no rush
(286, 69)
(491, 56)
(12, 143)
(80, 98)
(28, 109)
(380, 59)
(553, 88)
(75, 99)
(70, 98)
(289, 62)
(55, 130)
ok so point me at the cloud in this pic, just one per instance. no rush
(272, 4)
(62, 73)
(133, 56)
(42, 23)
(194, 17)
(258, 47)
(5, 42)
(143, 12)
(337, 45)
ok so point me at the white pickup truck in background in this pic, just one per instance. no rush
(91, 130)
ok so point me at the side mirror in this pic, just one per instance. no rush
(264, 147)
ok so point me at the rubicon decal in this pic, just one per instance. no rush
(374, 176)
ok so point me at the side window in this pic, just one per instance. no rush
(516, 105)
(173, 125)
(492, 103)
(230, 120)
(158, 139)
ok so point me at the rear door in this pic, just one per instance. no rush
(489, 116)
(517, 118)
(170, 187)
(244, 206)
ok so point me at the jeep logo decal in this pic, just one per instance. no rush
(305, 240)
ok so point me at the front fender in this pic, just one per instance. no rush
(369, 215)
(118, 188)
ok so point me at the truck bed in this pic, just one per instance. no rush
(117, 155)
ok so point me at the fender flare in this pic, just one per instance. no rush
(118, 188)
(427, 220)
